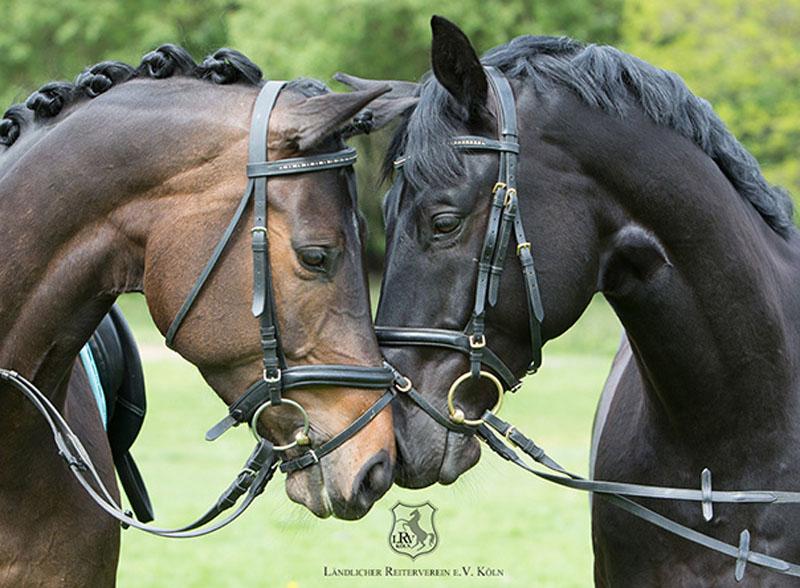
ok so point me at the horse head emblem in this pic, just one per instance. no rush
(413, 533)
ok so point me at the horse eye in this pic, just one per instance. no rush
(446, 223)
(313, 258)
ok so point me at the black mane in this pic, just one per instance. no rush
(224, 66)
(605, 78)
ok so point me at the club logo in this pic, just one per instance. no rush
(413, 533)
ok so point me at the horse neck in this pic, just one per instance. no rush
(76, 220)
(712, 324)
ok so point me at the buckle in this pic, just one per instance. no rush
(272, 380)
(405, 387)
(259, 229)
(521, 246)
(510, 194)
(478, 342)
(498, 186)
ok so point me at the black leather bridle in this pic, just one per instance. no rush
(472, 342)
(503, 216)
(276, 378)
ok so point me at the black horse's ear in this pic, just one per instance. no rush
(456, 65)
(314, 119)
(400, 98)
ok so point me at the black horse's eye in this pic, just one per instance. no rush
(446, 222)
(313, 258)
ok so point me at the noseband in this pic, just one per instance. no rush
(503, 216)
(276, 378)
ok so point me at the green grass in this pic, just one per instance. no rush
(495, 515)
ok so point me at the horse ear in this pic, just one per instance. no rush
(456, 65)
(305, 125)
(401, 97)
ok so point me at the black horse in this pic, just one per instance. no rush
(631, 186)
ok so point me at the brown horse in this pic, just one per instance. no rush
(123, 182)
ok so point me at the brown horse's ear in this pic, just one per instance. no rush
(306, 124)
(456, 66)
(401, 97)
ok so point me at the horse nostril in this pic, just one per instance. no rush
(374, 481)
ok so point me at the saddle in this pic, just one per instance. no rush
(121, 382)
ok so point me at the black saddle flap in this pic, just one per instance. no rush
(119, 368)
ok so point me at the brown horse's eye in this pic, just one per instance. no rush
(313, 258)
(446, 222)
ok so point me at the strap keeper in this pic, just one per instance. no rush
(744, 552)
(705, 489)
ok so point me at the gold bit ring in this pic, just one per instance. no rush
(456, 414)
(301, 435)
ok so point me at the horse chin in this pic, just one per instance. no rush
(460, 455)
(308, 488)
(456, 456)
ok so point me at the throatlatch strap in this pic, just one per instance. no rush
(209, 267)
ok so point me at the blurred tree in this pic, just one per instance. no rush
(41, 43)
(744, 56)
(391, 39)
(741, 55)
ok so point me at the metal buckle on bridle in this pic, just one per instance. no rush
(456, 414)
(405, 387)
(499, 186)
(521, 246)
(510, 194)
(259, 229)
(249, 472)
(301, 438)
(272, 379)
(477, 341)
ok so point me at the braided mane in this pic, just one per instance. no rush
(224, 66)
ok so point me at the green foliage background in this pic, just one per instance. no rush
(741, 55)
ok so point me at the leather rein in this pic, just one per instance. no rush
(504, 214)
(277, 377)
